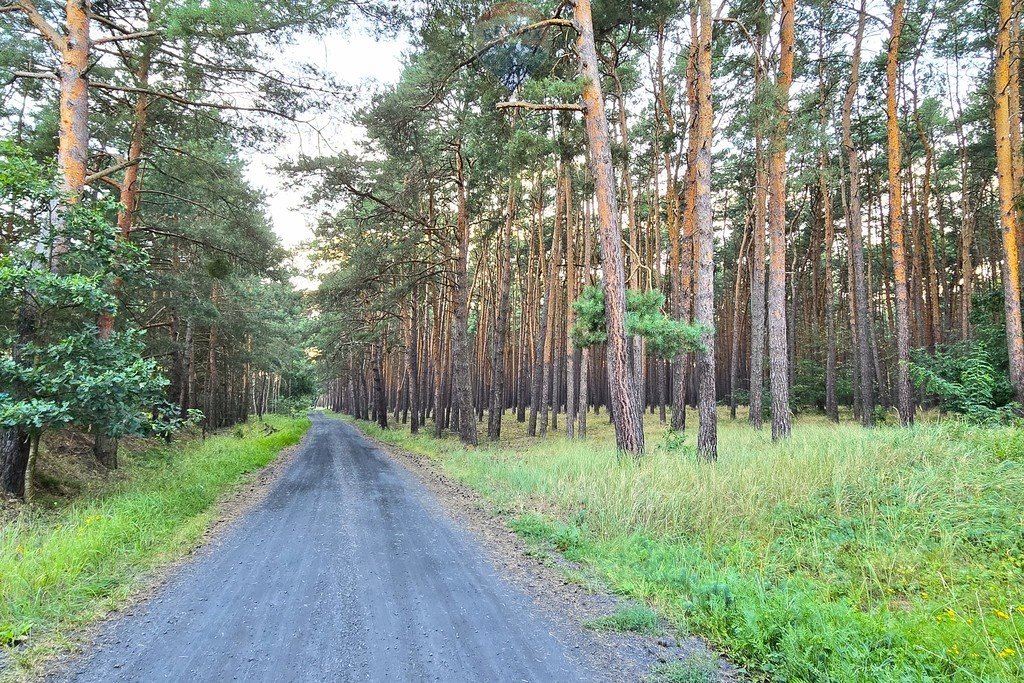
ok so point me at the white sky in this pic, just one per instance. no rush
(353, 58)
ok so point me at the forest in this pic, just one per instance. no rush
(729, 295)
(852, 249)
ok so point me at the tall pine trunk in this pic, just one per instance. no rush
(500, 334)
(704, 304)
(462, 351)
(859, 294)
(1007, 200)
(627, 417)
(778, 353)
(897, 241)
(758, 257)
(825, 191)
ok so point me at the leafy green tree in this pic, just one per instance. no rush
(60, 372)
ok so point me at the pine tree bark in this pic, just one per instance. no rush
(1007, 201)
(854, 231)
(825, 192)
(934, 312)
(897, 241)
(500, 334)
(380, 401)
(571, 352)
(185, 398)
(757, 265)
(734, 340)
(542, 304)
(627, 417)
(778, 353)
(461, 349)
(551, 310)
(412, 361)
(704, 304)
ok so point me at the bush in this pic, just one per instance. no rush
(967, 381)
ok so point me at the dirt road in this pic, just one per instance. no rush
(349, 570)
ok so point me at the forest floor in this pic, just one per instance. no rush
(842, 554)
(97, 542)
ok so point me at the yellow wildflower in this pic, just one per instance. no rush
(1002, 615)
(1007, 652)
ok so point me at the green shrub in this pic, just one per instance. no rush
(965, 378)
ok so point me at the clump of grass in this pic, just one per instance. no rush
(696, 668)
(839, 554)
(628, 619)
(62, 569)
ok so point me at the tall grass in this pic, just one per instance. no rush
(842, 554)
(65, 568)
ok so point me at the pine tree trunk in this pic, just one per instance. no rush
(734, 341)
(905, 399)
(188, 372)
(778, 353)
(859, 293)
(1007, 201)
(14, 452)
(28, 485)
(73, 141)
(461, 350)
(704, 305)
(825, 191)
(542, 303)
(412, 364)
(438, 367)
(628, 420)
(932, 271)
(501, 322)
(570, 315)
(757, 265)
(551, 311)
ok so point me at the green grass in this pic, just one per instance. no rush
(696, 668)
(628, 619)
(842, 554)
(62, 569)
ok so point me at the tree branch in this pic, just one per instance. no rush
(540, 106)
(491, 45)
(41, 24)
(201, 243)
(170, 97)
(127, 36)
(100, 175)
(370, 196)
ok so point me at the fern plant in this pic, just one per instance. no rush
(966, 380)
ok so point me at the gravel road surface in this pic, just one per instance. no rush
(349, 570)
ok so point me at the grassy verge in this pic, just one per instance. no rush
(61, 569)
(842, 554)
